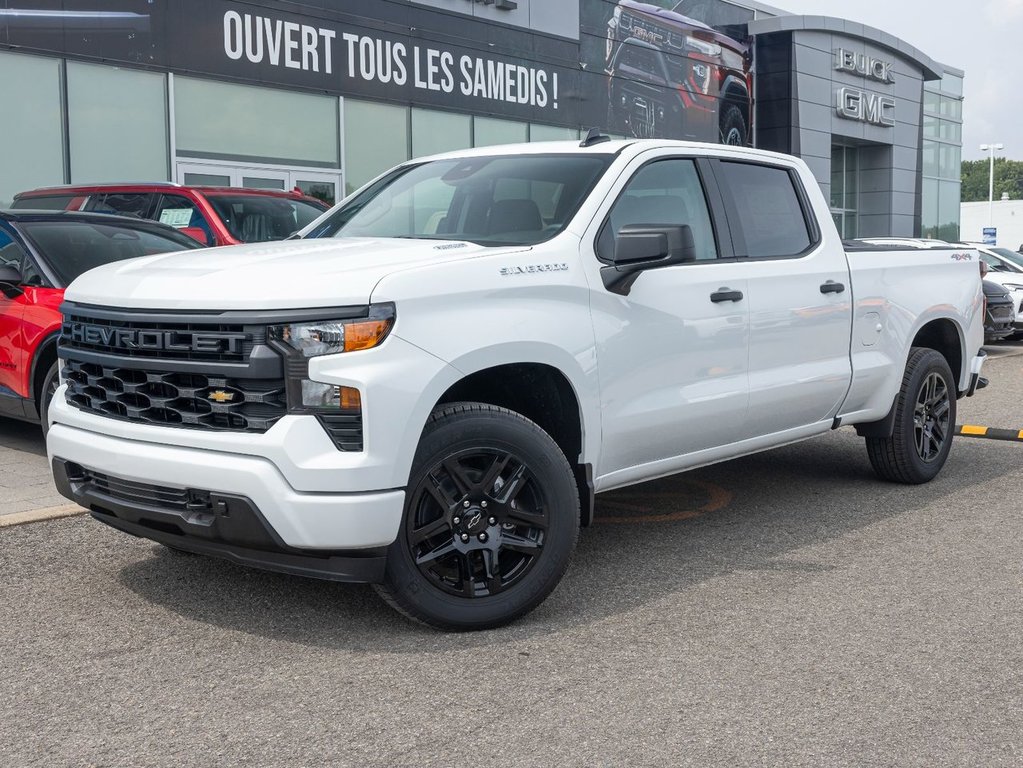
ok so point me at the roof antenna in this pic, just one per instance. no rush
(594, 136)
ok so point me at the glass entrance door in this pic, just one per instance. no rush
(322, 184)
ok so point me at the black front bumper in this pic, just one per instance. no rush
(207, 523)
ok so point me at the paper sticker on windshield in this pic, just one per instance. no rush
(176, 217)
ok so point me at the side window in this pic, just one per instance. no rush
(13, 255)
(137, 204)
(767, 210)
(44, 203)
(664, 192)
(180, 212)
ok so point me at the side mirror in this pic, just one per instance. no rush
(10, 282)
(639, 247)
(196, 233)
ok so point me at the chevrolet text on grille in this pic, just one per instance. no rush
(128, 338)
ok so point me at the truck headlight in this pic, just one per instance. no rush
(329, 337)
(303, 340)
(702, 46)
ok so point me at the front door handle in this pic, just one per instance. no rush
(832, 287)
(725, 294)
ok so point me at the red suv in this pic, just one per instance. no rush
(211, 215)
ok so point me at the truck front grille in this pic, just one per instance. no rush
(198, 370)
(179, 399)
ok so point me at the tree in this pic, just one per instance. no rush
(1008, 179)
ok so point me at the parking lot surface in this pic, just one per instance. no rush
(782, 609)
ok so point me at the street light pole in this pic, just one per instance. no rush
(991, 181)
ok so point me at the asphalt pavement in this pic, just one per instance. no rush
(782, 609)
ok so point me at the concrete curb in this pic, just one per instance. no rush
(38, 515)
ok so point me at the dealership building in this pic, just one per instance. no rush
(322, 97)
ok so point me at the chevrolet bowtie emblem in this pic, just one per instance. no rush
(220, 396)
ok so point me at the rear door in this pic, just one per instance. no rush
(800, 298)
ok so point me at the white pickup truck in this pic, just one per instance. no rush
(428, 389)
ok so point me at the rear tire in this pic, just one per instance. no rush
(925, 413)
(491, 519)
(733, 126)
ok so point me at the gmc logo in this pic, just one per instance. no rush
(152, 341)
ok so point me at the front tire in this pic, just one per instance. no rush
(925, 413)
(491, 519)
(50, 384)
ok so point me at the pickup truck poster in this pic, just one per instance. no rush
(670, 69)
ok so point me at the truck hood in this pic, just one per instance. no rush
(280, 275)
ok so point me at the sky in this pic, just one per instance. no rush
(982, 37)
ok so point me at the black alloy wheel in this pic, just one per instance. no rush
(930, 417)
(924, 417)
(477, 522)
(491, 518)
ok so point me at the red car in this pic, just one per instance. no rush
(211, 215)
(40, 253)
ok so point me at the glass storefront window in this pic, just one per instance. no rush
(376, 138)
(950, 107)
(242, 122)
(539, 132)
(929, 208)
(930, 158)
(434, 132)
(32, 149)
(952, 84)
(117, 120)
(489, 131)
(949, 131)
(948, 210)
(845, 163)
(949, 161)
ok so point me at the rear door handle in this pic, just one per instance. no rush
(725, 294)
(832, 287)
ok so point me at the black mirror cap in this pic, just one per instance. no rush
(10, 281)
(653, 245)
(639, 247)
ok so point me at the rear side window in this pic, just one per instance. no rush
(137, 204)
(180, 212)
(767, 210)
(47, 203)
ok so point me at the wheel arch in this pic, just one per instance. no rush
(945, 336)
(545, 395)
(44, 356)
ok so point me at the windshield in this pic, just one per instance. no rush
(1013, 256)
(71, 248)
(259, 219)
(499, 200)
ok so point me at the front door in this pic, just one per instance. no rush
(672, 354)
(12, 340)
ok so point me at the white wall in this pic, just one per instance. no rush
(1007, 217)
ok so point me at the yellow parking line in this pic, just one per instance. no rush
(970, 429)
(38, 515)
